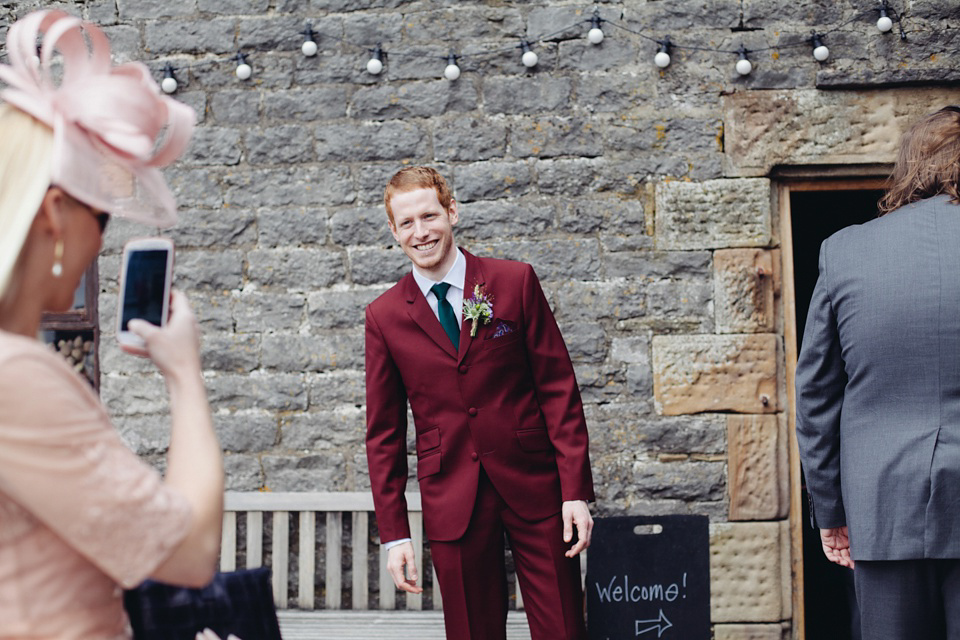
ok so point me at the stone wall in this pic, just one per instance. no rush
(642, 197)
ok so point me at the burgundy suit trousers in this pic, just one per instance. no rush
(473, 582)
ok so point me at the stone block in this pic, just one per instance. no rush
(320, 472)
(233, 352)
(273, 391)
(234, 7)
(758, 468)
(214, 229)
(134, 395)
(696, 373)
(377, 266)
(593, 301)
(553, 259)
(286, 144)
(586, 342)
(505, 218)
(412, 100)
(746, 288)
(145, 435)
(243, 472)
(213, 36)
(213, 310)
(339, 309)
(195, 187)
(361, 226)
(331, 389)
(469, 139)
(292, 226)
(246, 431)
(493, 180)
(580, 55)
(138, 9)
(627, 428)
(286, 186)
(364, 142)
(469, 23)
(268, 311)
(310, 104)
(198, 269)
(714, 214)
(527, 95)
(748, 572)
(806, 126)
(549, 137)
(687, 480)
(327, 352)
(329, 429)
(296, 269)
(236, 106)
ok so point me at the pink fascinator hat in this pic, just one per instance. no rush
(112, 128)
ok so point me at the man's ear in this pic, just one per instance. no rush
(393, 230)
(453, 212)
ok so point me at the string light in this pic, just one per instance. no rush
(375, 63)
(595, 35)
(529, 57)
(662, 59)
(885, 24)
(744, 66)
(169, 83)
(452, 71)
(820, 51)
(244, 71)
(309, 47)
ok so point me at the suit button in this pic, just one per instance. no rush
(463, 368)
(474, 455)
(472, 411)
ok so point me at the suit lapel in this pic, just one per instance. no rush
(474, 276)
(421, 313)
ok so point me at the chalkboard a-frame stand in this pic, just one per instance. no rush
(648, 577)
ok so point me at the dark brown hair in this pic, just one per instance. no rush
(417, 178)
(928, 162)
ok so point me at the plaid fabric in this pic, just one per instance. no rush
(237, 602)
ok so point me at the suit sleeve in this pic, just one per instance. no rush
(557, 391)
(386, 435)
(821, 380)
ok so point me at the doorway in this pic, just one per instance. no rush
(811, 211)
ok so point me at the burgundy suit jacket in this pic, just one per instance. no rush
(508, 400)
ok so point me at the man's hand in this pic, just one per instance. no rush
(836, 546)
(576, 512)
(398, 557)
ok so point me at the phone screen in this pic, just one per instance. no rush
(144, 290)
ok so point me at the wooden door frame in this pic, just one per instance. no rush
(869, 177)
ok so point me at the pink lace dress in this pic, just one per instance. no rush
(80, 515)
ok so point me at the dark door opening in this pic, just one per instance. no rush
(830, 611)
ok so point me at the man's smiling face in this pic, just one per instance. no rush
(424, 230)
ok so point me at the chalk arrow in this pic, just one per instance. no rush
(661, 624)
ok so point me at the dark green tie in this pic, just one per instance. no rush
(447, 320)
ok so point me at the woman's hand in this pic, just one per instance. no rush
(174, 347)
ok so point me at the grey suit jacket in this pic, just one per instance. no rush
(878, 385)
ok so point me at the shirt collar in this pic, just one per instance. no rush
(456, 276)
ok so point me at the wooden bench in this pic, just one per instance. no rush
(307, 611)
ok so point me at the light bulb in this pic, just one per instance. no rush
(821, 53)
(595, 35)
(744, 66)
(309, 48)
(374, 66)
(169, 84)
(884, 23)
(662, 59)
(530, 59)
(452, 72)
(244, 71)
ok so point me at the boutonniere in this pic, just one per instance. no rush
(478, 308)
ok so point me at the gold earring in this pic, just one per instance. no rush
(57, 269)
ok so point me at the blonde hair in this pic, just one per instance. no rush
(26, 149)
(928, 162)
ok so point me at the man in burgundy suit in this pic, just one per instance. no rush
(501, 438)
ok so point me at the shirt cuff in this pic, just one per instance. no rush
(394, 543)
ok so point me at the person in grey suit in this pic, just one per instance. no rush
(878, 394)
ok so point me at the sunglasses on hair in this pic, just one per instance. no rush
(951, 107)
(102, 219)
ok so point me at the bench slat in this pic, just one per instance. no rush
(307, 561)
(334, 558)
(307, 501)
(280, 552)
(228, 542)
(388, 593)
(361, 530)
(254, 539)
(415, 600)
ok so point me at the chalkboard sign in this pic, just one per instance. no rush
(649, 577)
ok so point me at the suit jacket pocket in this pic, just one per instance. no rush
(534, 440)
(502, 341)
(428, 465)
(427, 440)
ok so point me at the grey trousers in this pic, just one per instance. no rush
(908, 599)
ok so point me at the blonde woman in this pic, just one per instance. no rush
(80, 515)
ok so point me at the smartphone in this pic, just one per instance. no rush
(145, 279)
